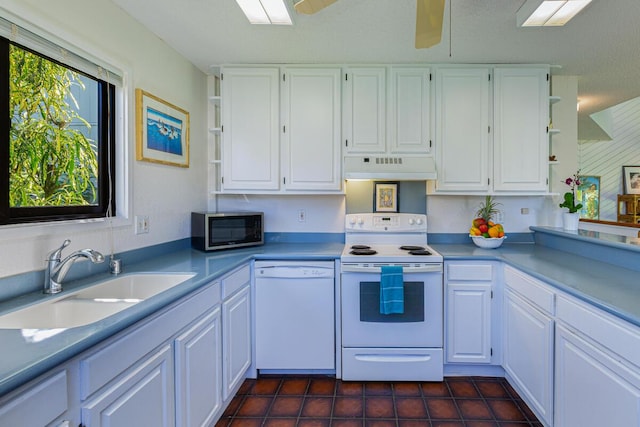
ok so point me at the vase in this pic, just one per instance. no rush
(570, 220)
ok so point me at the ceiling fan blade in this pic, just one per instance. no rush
(429, 16)
(309, 7)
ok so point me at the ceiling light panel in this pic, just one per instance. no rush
(265, 11)
(539, 13)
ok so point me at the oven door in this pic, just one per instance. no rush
(419, 326)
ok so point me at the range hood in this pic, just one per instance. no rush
(399, 168)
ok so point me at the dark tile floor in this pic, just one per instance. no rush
(288, 401)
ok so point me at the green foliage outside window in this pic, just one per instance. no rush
(51, 162)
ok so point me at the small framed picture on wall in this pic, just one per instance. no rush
(631, 179)
(385, 197)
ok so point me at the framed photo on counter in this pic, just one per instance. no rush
(631, 179)
(385, 197)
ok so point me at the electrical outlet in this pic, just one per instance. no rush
(302, 215)
(142, 224)
(499, 217)
(524, 211)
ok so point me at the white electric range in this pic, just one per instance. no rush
(391, 347)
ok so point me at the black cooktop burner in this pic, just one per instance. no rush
(420, 252)
(360, 247)
(412, 248)
(363, 252)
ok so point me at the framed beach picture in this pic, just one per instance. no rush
(631, 179)
(588, 193)
(385, 197)
(162, 131)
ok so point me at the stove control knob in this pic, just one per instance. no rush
(419, 221)
(360, 221)
(412, 221)
(352, 221)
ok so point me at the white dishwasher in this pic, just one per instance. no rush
(295, 321)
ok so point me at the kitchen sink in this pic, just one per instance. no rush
(132, 286)
(93, 303)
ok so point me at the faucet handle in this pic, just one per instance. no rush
(57, 253)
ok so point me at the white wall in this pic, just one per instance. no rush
(323, 214)
(166, 194)
(453, 214)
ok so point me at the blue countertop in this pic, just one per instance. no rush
(610, 287)
(25, 356)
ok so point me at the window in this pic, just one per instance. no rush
(57, 144)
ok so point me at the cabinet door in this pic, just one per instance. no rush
(236, 345)
(521, 117)
(142, 397)
(38, 404)
(198, 359)
(469, 323)
(311, 129)
(410, 115)
(250, 108)
(528, 354)
(364, 113)
(593, 388)
(462, 129)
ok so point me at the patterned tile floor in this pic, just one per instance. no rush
(316, 401)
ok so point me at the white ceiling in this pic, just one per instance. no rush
(601, 45)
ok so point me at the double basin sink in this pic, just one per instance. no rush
(93, 303)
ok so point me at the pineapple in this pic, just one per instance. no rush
(488, 209)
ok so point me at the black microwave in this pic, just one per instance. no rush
(211, 231)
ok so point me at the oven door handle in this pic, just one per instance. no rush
(431, 268)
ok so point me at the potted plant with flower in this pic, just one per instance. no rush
(570, 219)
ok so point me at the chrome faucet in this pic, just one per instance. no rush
(57, 268)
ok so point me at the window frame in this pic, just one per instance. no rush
(106, 206)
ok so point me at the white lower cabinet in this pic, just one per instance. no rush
(469, 311)
(236, 329)
(528, 341)
(236, 346)
(198, 358)
(594, 388)
(597, 367)
(143, 396)
(47, 395)
(164, 371)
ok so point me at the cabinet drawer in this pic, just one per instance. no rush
(535, 291)
(615, 334)
(469, 271)
(112, 359)
(235, 280)
(39, 405)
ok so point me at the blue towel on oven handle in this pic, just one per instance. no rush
(391, 290)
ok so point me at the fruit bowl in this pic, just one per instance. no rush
(487, 242)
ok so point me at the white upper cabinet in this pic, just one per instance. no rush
(521, 117)
(410, 113)
(311, 129)
(364, 113)
(250, 111)
(492, 144)
(462, 129)
(281, 130)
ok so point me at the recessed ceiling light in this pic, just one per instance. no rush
(548, 13)
(265, 11)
